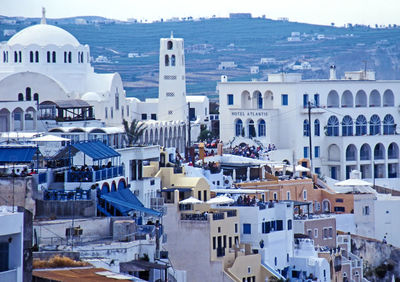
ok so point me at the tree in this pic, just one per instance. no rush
(134, 131)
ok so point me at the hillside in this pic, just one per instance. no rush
(244, 41)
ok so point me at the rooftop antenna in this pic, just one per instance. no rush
(43, 20)
(172, 34)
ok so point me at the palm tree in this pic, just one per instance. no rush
(134, 131)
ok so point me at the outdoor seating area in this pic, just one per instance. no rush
(56, 195)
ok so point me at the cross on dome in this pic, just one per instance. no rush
(43, 20)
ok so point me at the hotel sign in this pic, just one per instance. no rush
(249, 114)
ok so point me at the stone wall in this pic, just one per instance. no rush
(376, 255)
(21, 188)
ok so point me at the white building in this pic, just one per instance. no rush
(227, 65)
(376, 216)
(43, 65)
(353, 121)
(269, 229)
(11, 244)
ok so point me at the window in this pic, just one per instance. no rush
(153, 116)
(306, 128)
(169, 45)
(28, 94)
(20, 97)
(236, 228)
(70, 58)
(54, 56)
(261, 128)
(214, 243)
(315, 232)
(276, 261)
(173, 60)
(19, 56)
(316, 151)
(347, 126)
(333, 126)
(106, 112)
(285, 100)
(339, 200)
(374, 125)
(309, 233)
(316, 128)
(246, 228)
(112, 112)
(305, 152)
(4, 256)
(339, 209)
(316, 100)
(37, 57)
(288, 195)
(65, 57)
(48, 57)
(361, 125)
(388, 125)
(279, 225)
(239, 127)
(289, 224)
(15, 57)
(305, 195)
(318, 170)
(366, 210)
(330, 233)
(260, 101)
(230, 99)
(305, 100)
(31, 56)
(166, 60)
(127, 110)
(144, 116)
(275, 196)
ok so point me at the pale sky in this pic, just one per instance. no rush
(309, 11)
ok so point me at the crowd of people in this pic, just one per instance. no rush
(245, 150)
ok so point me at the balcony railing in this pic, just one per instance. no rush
(95, 175)
(218, 216)
(194, 216)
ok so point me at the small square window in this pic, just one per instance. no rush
(144, 116)
(154, 116)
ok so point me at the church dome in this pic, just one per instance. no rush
(42, 35)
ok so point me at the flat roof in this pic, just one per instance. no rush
(82, 274)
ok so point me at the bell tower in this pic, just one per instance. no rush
(172, 80)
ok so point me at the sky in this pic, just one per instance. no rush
(340, 12)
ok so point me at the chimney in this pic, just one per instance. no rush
(332, 73)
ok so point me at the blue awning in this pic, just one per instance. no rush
(96, 150)
(124, 200)
(15, 155)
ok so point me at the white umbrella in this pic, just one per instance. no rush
(49, 138)
(353, 182)
(190, 200)
(221, 200)
(298, 168)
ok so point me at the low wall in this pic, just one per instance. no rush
(65, 209)
(49, 255)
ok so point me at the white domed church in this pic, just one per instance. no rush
(48, 84)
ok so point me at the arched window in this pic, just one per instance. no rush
(169, 45)
(261, 128)
(361, 125)
(36, 97)
(65, 56)
(251, 129)
(379, 152)
(54, 56)
(81, 57)
(388, 125)
(316, 127)
(239, 127)
(374, 125)
(306, 128)
(166, 60)
(361, 99)
(20, 56)
(347, 99)
(333, 99)
(116, 99)
(20, 97)
(365, 152)
(37, 57)
(28, 95)
(15, 57)
(69, 57)
(173, 60)
(388, 98)
(351, 153)
(374, 99)
(48, 57)
(333, 126)
(393, 151)
(347, 126)
(31, 56)
(260, 101)
(106, 112)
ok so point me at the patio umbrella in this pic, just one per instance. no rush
(353, 182)
(298, 168)
(190, 200)
(220, 200)
(49, 138)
